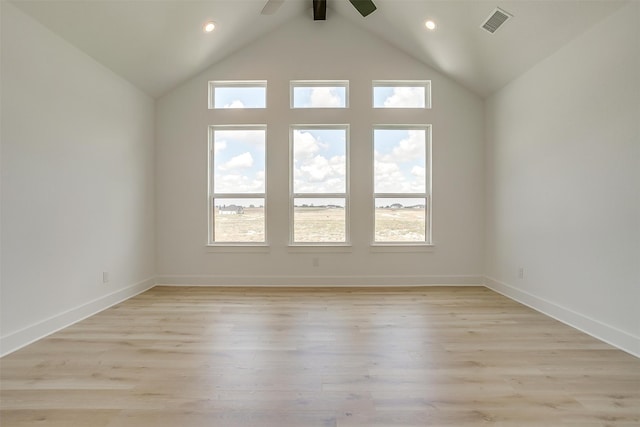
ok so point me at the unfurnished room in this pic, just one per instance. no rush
(260, 213)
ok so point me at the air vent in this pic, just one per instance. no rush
(495, 20)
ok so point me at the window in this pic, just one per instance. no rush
(237, 184)
(237, 94)
(319, 184)
(319, 94)
(402, 94)
(402, 187)
(319, 166)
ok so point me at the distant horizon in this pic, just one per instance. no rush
(245, 203)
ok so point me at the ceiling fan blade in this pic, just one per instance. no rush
(272, 7)
(319, 10)
(365, 7)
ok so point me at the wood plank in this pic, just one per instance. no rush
(228, 357)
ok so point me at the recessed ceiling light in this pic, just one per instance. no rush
(209, 26)
(430, 25)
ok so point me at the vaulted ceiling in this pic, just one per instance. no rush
(157, 44)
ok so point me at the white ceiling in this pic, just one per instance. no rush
(157, 44)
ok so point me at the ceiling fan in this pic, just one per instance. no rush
(365, 7)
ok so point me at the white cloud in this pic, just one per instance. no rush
(388, 178)
(248, 136)
(408, 149)
(385, 167)
(338, 165)
(219, 146)
(235, 183)
(235, 104)
(325, 97)
(242, 161)
(320, 175)
(305, 145)
(406, 97)
(391, 178)
(313, 172)
(316, 169)
(418, 171)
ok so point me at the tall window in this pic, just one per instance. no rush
(319, 184)
(237, 184)
(402, 184)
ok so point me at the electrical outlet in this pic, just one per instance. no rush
(105, 277)
(316, 262)
(521, 273)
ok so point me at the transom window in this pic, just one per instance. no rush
(319, 184)
(237, 184)
(402, 187)
(401, 94)
(237, 94)
(319, 94)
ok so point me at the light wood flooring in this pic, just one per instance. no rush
(263, 357)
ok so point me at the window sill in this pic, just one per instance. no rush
(326, 248)
(401, 247)
(238, 248)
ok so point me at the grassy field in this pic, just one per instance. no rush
(400, 225)
(319, 225)
(246, 227)
(322, 225)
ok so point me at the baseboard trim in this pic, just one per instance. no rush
(319, 281)
(30, 334)
(599, 330)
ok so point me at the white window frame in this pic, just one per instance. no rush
(212, 196)
(345, 195)
(237, 84)
(403, 83)
(318, 83)
(426, 195)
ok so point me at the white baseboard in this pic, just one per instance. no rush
(30, 334)
(609, 334)
(319, 281)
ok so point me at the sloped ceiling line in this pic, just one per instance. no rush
(157, 45)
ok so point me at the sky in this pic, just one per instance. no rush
(400, 160)
(319, 160)
(239, 161)
(398, 97)
(240, 97)
(320, 97)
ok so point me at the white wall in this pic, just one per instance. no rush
(563, 183)
(333, 49)
(77, 183)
